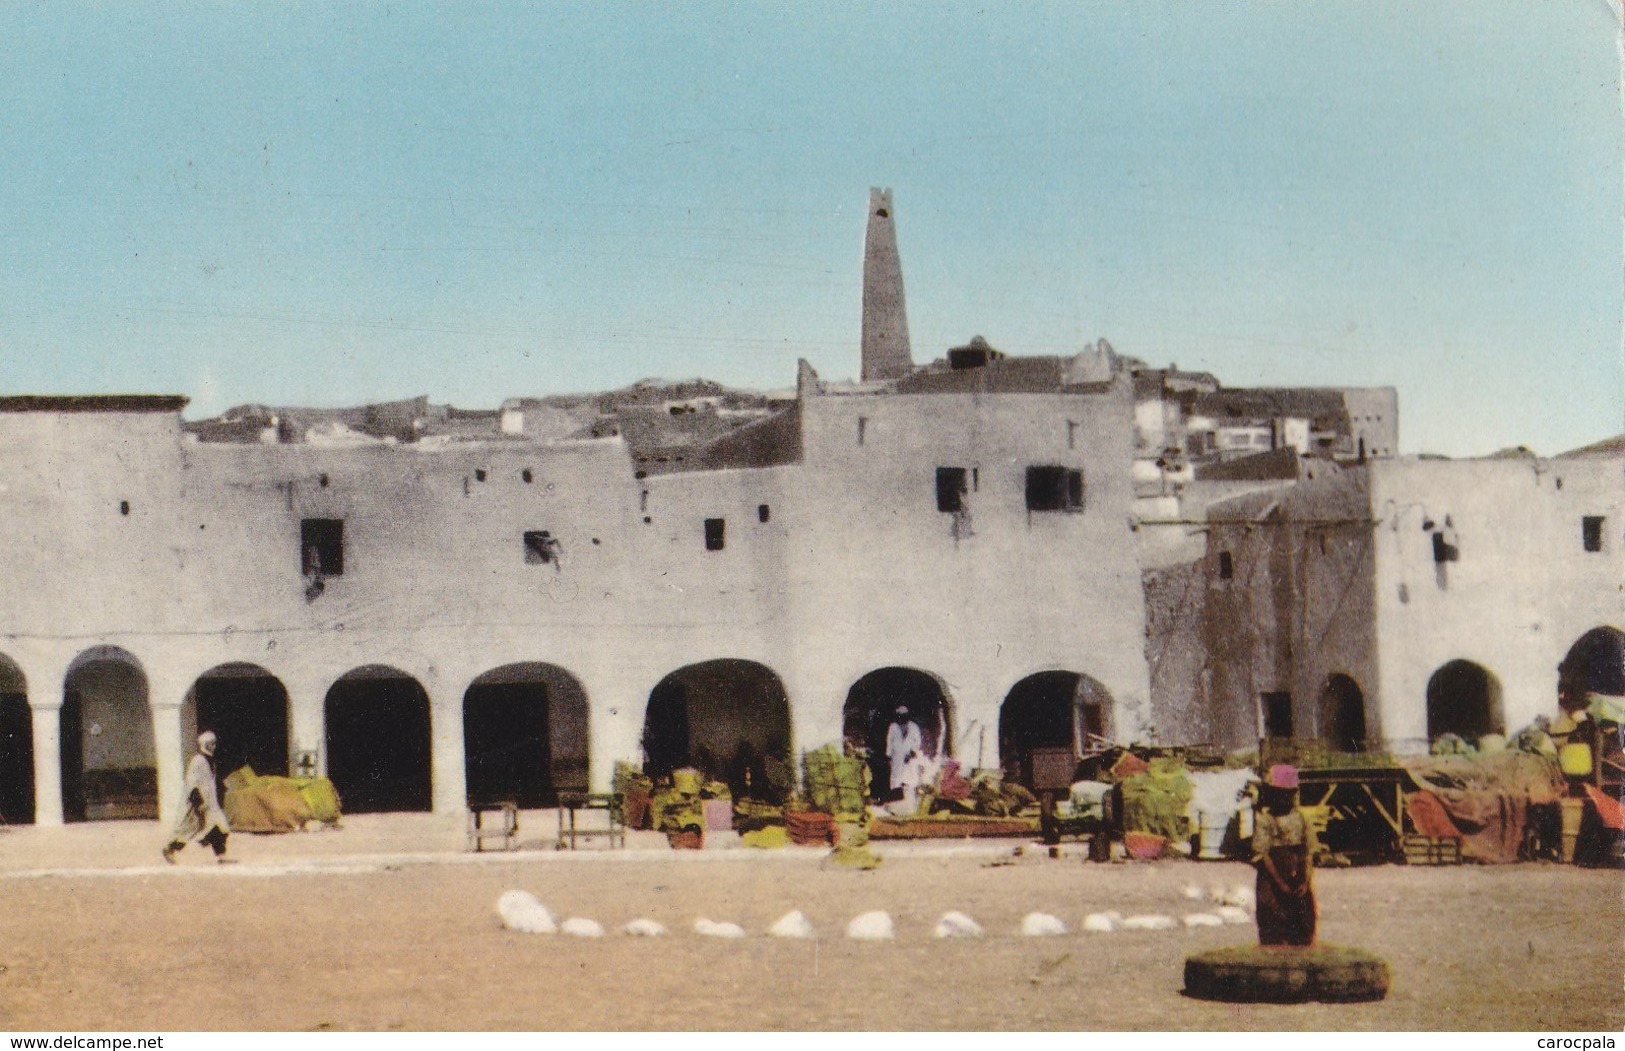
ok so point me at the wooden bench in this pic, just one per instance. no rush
(506, 829)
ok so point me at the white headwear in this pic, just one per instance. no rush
(206, 742)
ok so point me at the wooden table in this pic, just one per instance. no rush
(607, 803)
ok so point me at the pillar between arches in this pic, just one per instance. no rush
(47, 728)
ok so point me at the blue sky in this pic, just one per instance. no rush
(331, 204)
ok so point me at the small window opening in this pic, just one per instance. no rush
(763, 512)
(1443, 549)
(124, 507)
(321, 543)
(322, 480)
(951, 489)
(1277, 714)
(479, 474)
(526, 476)
(643, 500)
(647, 520)
(715, 528)
(1591, 532)
(975, 479)
(863, 428)
(1227, 566)
(1053, 488)
(1071, 434)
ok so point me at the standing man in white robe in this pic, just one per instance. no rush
(903, 742)
(201, 815)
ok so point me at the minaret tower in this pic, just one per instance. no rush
(885, 322)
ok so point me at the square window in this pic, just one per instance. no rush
(321, 547)
(763, 512)
(1053, 488)
(1591, 532)
(951, 489)
(715, 530)
(1227, 566)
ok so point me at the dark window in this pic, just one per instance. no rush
(1227, 566)
(1443, 549)
(951, 489)
(1277, 714)
(1054, 489)
(321, 542)
(714, 530)
(863, 427)
(527, 476)
(1591, 532)
(763, 512)
(479, 474)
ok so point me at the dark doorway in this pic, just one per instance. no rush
(378, 743)
(247, 708)
(525, 735)
(1463, 699)
(1342, 714)
(730, 719)
(1277, 709)
(871, 705)
(109, 769)
(1052, 709)
(16, 748)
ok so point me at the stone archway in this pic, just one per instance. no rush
(1464, 698)
(730, 719)
(1051, 709)
(378, 741)
(1342, 714)
(16, 747)
(247, 708)
(873, 702)
(109, 763)
(525, 735)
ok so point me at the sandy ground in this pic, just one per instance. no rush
(389, 925)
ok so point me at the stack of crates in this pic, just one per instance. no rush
(1426, 850)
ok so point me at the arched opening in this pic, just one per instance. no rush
(730, 719)
(1595, 664)
(378, 749)
(16, 747)
(525, 735)
(1342, 714)
(109, 769)
(1464, 699)
(873, 703)
(247, 708)
(1052, 709)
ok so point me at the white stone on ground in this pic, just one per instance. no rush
(1233, 914)
(582, 928)
(958, 925)
(792, 925)
(718, 930)
(1149, 923)
(1099, 922)
(1041, 925)
(520, 911)
(871, 927)
(1203, 919)
(642, 928)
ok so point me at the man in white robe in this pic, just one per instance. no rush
(201, 815)
(903, 743)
